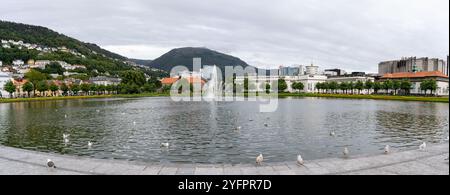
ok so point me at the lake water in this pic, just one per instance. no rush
(202, 132)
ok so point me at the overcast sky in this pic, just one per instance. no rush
(351, 34)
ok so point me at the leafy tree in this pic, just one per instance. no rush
(28, 87)
(282, 85)
(10, 88)
(42, 87)
(54, 68)
(298, 86)
(93, 88)
(64, 88)
(359, 85)
(53, 88)
(85, 87)
(35, 77)
(377, 86)
(75, 89)
(343, 86)
(333, 86)
(369, 85)
(396, 85)
(132, 77)
(406, 86)
(387, 85)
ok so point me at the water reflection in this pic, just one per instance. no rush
(204, 132)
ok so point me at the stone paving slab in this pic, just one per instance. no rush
(432, 161)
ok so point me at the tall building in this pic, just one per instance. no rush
(412, 64)
(312, 70)
(289, 71)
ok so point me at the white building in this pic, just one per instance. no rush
(18, 63)
(1, 63)
(353, 79)
(101, 80)
(309, 81)
(312, 70)
(417, 78)
(4, 78)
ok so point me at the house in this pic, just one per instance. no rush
(169, 81)
(40, 64)
(4, 78)
(18, 63)
(102, 80)
(417, 78)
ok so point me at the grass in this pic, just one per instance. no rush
(11, 100)
(373, 97)
(281, 95)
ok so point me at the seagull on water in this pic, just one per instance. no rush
(51, 164)
(423, 146)
(66, 136)
(98, 111)
(346, 152)
(332, 133)
(165, 145)
(300, 160)
(66, 140)
(387, 149)
(238, 128)
(65, 116)
(259, 159)
(90, 144)
(266, 125)
(134, 123)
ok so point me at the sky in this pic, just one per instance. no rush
(354, 35)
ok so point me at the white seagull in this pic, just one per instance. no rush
(66, 136)
(165, 145)
(65, 116)
(259, 159)
(50, 164)
(387, 149)
(90, 144)
(423, 146)
(346, 152)
(98, 111)
(300, 160)
(332, 134)
(447, 139)
(134, 123)
(238, 128)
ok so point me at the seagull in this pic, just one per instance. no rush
(98, 110)
(423, 146)
(259, 159)
(134, 123)
(123, 113)
(387, 149)
(266, 125)
(165, 145)
(300, 160)
(346, 152)
(51, 164)
(238, 128)
(65, 116)
(90, 144)
(446, 139)
(66, 136)
(332, 134)
(66, 140)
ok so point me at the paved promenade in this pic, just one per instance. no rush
(432, 161)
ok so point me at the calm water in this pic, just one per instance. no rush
(204, 132)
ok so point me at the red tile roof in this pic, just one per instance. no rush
(169, 81)
(414, 75)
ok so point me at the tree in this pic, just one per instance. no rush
(85, 87)
(53, 88)
(369, 85)
(42, 87)
(343, 86)
(93, 88)
(376, 87)
(429, 84)
(75, 89)
(387, 85)
(298, 86)
(35, 77)
(351, 86)
(268, 87)
(359, 85)
(406, 86)
(131, 77)
(28, 87)
(64, 88)
(54, 68)
(333, 86)
(282, 85)
(10, 88)
(396, 85)
(101, 89)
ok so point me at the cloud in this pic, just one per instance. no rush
(350, 34)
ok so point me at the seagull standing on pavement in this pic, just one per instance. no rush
(423, 146)
(346, 152)
(387, 149)
(51, 164)
(300, 160)
(259, 159)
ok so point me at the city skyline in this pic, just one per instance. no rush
(263, 37)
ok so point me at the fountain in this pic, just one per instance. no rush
(213, 86)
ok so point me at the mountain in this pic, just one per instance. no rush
(51, 45)
(184, 56)
(44, 36)
(141, 62)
